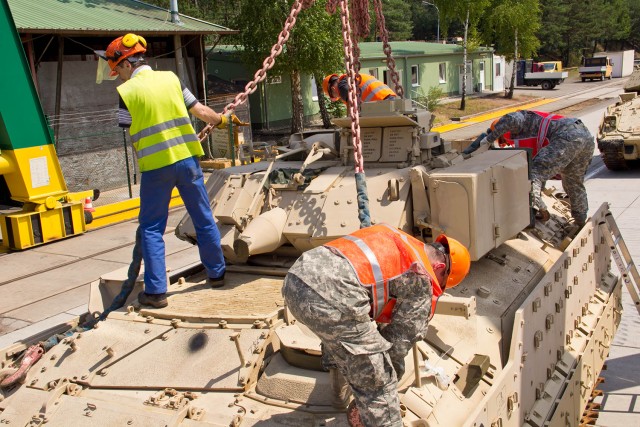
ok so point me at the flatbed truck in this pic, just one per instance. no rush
(527, 75)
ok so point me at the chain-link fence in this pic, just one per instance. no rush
(95, 153)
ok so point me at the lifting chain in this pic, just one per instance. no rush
(267, 64)
(351, 80)
(353, 28)
(384, 34)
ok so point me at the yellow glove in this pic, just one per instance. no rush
(224, 122)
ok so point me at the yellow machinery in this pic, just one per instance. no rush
(30, 173)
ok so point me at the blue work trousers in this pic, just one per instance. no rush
(155, 194)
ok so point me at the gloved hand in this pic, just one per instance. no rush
(481, 139)
(224, 122)
(543, 215)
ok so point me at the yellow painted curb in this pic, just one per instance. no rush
(488, 116)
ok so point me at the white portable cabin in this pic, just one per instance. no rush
(622, 62)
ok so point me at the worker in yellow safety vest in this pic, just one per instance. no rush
(376, 275)
(155, 106)
(370, 88)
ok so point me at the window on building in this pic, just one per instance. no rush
(415, 81)
(498, 69)
(386, 77)
(443, 72)
(373, 72)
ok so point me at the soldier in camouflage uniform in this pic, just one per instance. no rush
(324, 291)
(568, 152)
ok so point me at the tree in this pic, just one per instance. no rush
(574, 29)
(396, 14)
(557, 21)
(469, 13)
(634, 18)
(511, 26)
(617, 24)
(314, 46)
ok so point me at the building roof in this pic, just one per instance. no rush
(103, 17)
(373, 50)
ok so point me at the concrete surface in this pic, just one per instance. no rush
(52, 280)
(49, 285)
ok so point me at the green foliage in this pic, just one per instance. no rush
(576, 28)
(425, 21)
(431, 99)
(455, 11)
(315, 43)
(505, 19)
(396, 13)
(335, 108)
(634, 23)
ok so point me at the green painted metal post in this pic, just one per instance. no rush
(22, 121)
(126, 159)
(232, 143)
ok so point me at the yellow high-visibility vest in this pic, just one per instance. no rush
(161, 129)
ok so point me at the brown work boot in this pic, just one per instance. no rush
(216, 283)
(155, 300)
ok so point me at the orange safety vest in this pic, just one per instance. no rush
(372, 89)
(378, 254)
(534, 143)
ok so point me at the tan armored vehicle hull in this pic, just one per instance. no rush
(520, 342)
(619, 133)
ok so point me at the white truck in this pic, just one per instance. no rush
(530, 73)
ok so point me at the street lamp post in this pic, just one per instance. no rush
(426, 3)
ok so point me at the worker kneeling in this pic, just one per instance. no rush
(380, 274)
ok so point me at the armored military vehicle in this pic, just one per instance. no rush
(619, 133)
(520, 342)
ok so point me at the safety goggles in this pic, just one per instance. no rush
(445, 251)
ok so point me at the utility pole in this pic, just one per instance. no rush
(426, 3)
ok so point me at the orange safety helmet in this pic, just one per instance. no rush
(124, 47)
(327, 82)
(459, 259)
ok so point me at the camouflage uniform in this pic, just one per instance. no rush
(569, 153)
(322, 291)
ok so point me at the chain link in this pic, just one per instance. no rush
(267, 64)
(384, 34)
(347, 37)
(353, 28)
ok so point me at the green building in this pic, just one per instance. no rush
(420, 65)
